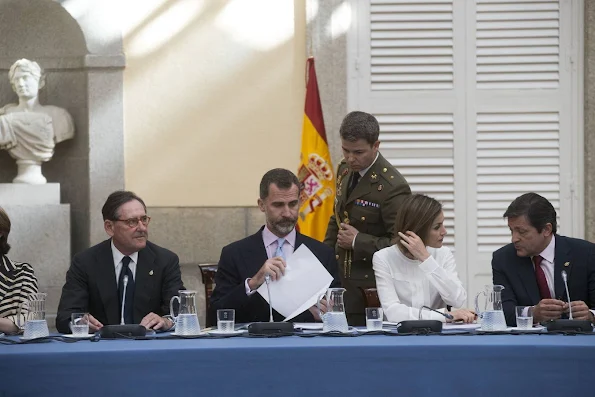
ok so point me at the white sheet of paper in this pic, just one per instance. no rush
(460, 327)
(309, 326)
(304, 281)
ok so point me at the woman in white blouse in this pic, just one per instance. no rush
(417, 270)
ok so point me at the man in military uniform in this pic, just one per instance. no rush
(369, 193)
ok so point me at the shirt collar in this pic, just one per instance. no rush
(269, 237)
(118, 255)
(363, 172)
(7, 264)
(549, 253)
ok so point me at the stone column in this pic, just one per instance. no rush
(328, 45)
(589, 84)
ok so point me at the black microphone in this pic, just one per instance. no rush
(447, 315)
(568, 325)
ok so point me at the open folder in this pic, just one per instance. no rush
(304, 281)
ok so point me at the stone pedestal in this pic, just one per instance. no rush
(40, 236)
(23, 194)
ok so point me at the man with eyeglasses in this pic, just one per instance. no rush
(126, 270)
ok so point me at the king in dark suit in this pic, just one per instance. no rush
(126, 269)
(530, 268)
(244, 264)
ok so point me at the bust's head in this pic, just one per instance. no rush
(26, 78)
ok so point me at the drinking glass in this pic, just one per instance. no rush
(226, 320)
(374, 318)
(524, 317)
(79, 324)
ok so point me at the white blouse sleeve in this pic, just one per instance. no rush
(394, 310)
(445, 279)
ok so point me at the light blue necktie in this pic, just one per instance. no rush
(279, 252)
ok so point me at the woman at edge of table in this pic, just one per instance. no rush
(17, 281)
(417, 270)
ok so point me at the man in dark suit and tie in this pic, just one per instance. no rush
(530, 268)
(124, 270)
(244, 264)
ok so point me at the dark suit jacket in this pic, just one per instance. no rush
(242, 260)
(517, 275)
(91, 285)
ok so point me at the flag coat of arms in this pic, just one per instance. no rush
(316, 170)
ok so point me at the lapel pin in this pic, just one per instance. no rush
(567, 264)
(379, 187)
(151, 273)
(374, 176)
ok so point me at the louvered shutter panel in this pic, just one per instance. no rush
(475, 102)
(517, 44)
(518, 108)
(406, 79)
(516, 153)
(411, 45)
(419, 135)
(517, 47)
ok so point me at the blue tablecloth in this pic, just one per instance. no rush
(370, 365)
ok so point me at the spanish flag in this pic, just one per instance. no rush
(315, 171)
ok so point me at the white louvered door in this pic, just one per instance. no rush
(520, 118)
(477, 105)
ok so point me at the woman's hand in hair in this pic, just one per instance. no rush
(414, 245)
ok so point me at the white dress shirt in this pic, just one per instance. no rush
(118, 256)
(405, 285)
(269, 240)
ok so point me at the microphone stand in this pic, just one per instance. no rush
(123, 300)
(568, 325)
(267, 280)
(272, 327)
(565, 279)
(447, 315)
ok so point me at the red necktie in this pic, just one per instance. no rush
(544, 290)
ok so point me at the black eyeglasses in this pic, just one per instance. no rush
(133, 222)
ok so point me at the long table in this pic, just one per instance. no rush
(369, 365)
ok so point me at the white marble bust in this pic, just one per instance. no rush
(29, 130)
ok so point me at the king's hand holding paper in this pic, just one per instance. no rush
(297, 287)
(274, 267)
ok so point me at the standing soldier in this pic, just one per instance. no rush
(369, 193)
